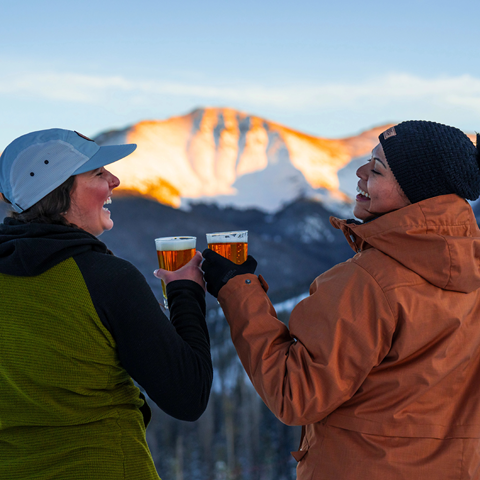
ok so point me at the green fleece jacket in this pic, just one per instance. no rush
(71, 340)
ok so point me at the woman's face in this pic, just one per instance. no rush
(91, 191)
(378, 190)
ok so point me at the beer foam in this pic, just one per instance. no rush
(175, 243)
(228, 237)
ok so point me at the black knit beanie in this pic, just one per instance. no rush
(430, 159)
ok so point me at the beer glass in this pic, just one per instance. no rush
(231, 245)
(173, 253)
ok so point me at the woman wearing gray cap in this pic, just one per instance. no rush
(381, 363)
(77, 323)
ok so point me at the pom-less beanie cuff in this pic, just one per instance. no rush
(430, 159)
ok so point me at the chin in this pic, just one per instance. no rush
(98, 231)
(359, 213)
(109, 226)
(363, 215)
(105, 228)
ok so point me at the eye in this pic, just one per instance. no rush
(375, 172)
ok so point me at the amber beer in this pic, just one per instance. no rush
(173, 253)
(231, 245)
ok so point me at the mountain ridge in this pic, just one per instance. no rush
(228, 157)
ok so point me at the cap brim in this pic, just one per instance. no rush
(106, 155)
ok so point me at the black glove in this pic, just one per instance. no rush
(219, 270)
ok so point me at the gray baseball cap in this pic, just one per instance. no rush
(34, 164)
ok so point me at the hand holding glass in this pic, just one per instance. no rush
(173, 253)
(231, 245)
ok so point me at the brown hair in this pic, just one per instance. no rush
(51, 208)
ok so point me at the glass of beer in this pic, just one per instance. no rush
(231, 245)
(173, 253)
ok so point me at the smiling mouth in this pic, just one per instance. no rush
(362, 193)
(108, 201)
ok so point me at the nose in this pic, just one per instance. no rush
(362, 171)
(116, 181)
(113, 181)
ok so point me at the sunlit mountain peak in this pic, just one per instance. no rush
(232, 158)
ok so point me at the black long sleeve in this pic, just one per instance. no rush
(170, 359)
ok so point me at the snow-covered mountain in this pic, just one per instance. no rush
(223, 156)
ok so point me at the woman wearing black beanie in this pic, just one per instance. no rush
(381, 363)
(429, 159)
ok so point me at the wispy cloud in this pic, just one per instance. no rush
(460, 91)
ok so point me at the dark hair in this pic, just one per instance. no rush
(51, 208)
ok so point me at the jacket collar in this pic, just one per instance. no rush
(437, 238)
(28, 249)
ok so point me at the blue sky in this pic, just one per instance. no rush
(330, 69)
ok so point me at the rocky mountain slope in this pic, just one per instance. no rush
(230, 158)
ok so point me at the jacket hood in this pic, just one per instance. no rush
(29, 249)
(437, 238)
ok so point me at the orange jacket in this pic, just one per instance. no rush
(381, 363)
